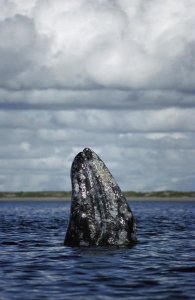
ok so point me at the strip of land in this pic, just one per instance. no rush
(65, 196)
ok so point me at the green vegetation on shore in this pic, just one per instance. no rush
(161, 194)
(59, 194)
(45, 194)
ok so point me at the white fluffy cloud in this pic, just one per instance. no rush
(117, 76)
(87, 44)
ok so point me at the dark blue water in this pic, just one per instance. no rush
(34, 264)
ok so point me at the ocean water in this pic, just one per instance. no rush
(34, 263)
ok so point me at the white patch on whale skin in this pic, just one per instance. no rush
(92, 230)
(83, 215)
(122, 236)
(76, 187)
(122, 221)
(114, 213)
(83, 190)
(123, 209)
(82, 176)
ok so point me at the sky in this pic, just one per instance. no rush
(117, 76)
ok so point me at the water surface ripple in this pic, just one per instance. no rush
(35, 264)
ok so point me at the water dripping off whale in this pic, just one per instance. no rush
(100, 214)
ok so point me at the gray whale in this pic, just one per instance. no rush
(100, 214)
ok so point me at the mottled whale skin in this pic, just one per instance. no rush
(100, 214)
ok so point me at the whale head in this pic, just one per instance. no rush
(100, 214)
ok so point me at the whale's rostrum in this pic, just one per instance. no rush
(99, 214)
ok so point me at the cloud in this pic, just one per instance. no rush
(96, 54)
(167, 120)
(117, 76)
(50, 99)
(93, 44)
(144, 150)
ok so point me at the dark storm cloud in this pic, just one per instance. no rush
(50, 99)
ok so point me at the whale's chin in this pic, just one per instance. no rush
(100, 214)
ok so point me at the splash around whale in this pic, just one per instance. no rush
(100, 214)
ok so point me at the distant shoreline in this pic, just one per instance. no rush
(66, 199)
(66, 196)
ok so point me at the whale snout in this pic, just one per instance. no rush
(84, 155)
(82, 158)
(88, 153)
